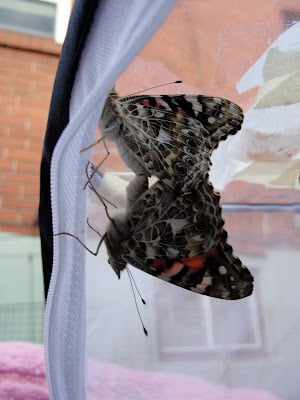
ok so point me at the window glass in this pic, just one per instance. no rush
(28, 16)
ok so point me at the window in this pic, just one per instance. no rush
(199, 333)
(46, 18)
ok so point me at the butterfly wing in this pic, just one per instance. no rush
(166, 242)
(217, 274)
(219, 116)
(176, 223)
(169, 136)
(176, 228)
(213, 275)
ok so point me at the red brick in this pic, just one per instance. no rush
(21, 179)
(35, 146)
(12, 142)
(31, 191)
(32, 43)
(10, 203)
(34, 132)
(29, 218)
(9, 81)
(6, 71)
(22, 112)
(7, 120)
(20, 229)
(8, 189)
(7, 165)
(34, 102)
(27, 166)
(24, 155)
(8, 216)
(8, 98)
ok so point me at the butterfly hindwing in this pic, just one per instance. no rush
(169, 246)
(216, 274)
(179, 222)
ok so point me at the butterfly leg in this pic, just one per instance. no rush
(102, 138)
(94, 190)
(95, 169)
(95, 252)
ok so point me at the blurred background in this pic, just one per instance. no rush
(248, 52)
(30, 36)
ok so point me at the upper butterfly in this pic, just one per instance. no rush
(169, 136)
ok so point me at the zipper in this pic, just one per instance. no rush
(119, 31)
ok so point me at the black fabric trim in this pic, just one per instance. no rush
(80, 22)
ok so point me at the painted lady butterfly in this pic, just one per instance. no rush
(178, 236)
(174, 229)
(169, 136)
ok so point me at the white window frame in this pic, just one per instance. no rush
(63, 12)
(254, 346)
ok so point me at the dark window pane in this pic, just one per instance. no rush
(28, 16)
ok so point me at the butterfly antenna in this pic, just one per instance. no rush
(154, 87)
(134, 296)
(135, 285)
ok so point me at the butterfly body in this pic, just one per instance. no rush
(169, 136)
(118, 231)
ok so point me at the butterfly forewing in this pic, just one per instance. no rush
(220, 117)
(169, 136)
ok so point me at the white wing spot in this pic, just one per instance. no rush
(197, 106)
(206, 281)
(211, 120)
(159, 114)
(163, 136)
(222, 270)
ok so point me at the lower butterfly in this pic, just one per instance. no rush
(178, 236)
(169, 136)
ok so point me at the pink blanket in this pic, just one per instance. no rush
(22, 376)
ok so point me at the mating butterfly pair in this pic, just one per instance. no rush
(174, 229)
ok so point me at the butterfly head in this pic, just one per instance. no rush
(109, 122)
(116, 235)
(117, 265)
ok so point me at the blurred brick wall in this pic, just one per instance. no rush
(256, 232)
(27, 70)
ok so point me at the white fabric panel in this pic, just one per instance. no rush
(119, 31)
